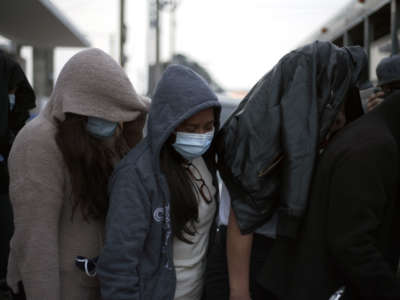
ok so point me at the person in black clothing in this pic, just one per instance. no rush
(388, 74)
(16, 99)
(350, 237)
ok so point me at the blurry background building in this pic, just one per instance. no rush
(372, 24)
(231, 44)
(37, 27)
(183, 60)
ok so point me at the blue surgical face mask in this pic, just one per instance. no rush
(11, 99)
(192, 145)
(101, 128)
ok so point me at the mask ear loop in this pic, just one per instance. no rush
(85, 262)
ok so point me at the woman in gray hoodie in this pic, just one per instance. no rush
(164, 198)
(59, 168)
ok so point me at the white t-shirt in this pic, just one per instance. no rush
(190, 259)
(224, 203)
(268, 229)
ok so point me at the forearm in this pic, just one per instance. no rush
(238, 253)
(42, 285)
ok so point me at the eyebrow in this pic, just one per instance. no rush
(191, 125)
(197, 125)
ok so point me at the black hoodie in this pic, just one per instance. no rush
(12, 77)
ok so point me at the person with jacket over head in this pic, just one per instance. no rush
(164, 198)
(388, 74)
(267, 152)
(16, 99)
(59, 165)
(349, 239)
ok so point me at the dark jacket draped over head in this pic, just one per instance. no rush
(268, 147)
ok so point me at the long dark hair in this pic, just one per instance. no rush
(184, 205)
(89, 162)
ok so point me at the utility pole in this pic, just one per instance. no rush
(155, 64)
(122, 36)
(172, 27)
(158, 42)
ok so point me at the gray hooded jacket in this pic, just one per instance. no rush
(137, 260)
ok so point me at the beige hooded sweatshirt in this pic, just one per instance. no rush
(46, 240)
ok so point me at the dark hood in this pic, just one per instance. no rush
(180, 94)
(13, 77)
(268, 147)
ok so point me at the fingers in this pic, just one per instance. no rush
(374, 100)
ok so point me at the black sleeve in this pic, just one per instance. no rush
(361, 190)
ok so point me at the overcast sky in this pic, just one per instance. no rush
(236, 40)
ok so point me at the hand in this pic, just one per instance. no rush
(374, 100)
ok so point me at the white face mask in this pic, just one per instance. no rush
(11, 99)
(192, 145)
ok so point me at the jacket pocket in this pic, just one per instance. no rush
(77, 278)
(87, 281)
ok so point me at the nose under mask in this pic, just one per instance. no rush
(192, 145)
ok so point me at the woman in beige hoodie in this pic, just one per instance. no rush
(59, 167)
